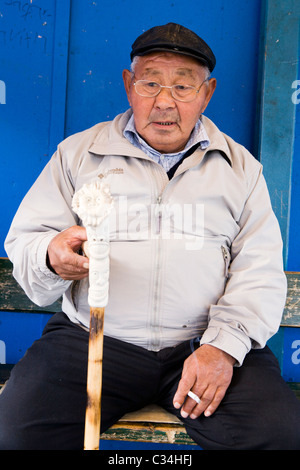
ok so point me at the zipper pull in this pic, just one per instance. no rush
(226, 258)
(158, 213)
(225, 254)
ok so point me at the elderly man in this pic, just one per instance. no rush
(196, 287)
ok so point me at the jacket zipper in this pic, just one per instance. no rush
(154, 322)
(159, 215)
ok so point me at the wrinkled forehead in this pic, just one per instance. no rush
(158, 63)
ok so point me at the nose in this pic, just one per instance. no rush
(164, 100)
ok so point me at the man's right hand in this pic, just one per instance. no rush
(63, 257)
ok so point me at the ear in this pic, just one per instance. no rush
(127, 82)
(209, 92)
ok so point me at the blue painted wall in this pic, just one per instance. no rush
(62, 69)
(293, 263)
(25, 67)
(100, 42)
(60, 72)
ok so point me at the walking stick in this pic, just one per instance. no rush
(93, 203)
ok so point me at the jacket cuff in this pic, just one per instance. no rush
(41, 258)
(227, 342)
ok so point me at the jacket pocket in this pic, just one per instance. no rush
(226, 257)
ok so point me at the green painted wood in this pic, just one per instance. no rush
(13, 298)
(148, 432)
(291, 314)
(276, 114)
(275, 343)
(296, 388)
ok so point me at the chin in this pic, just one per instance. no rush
(168, 149)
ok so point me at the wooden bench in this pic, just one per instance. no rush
(152, 424)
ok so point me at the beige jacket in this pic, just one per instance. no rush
(197, 255)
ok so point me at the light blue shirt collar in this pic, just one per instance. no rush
(167, 160)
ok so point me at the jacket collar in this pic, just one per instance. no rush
(217, 139)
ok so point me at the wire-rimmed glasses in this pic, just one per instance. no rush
(150, 89)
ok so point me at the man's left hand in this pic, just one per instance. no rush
(207, 372)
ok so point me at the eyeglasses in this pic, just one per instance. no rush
(151, 89)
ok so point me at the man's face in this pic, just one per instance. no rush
(163, 122)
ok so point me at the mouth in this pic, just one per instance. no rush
(164, 123)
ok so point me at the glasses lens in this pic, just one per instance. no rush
(147, 88)
(184, 92)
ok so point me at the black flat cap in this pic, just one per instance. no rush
(173, 37)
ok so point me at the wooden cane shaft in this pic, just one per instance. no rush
(94, 380)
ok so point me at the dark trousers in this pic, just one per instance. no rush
(43, 404)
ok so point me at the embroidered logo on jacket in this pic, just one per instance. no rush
(115, 171)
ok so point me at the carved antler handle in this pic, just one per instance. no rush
(93, 204)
